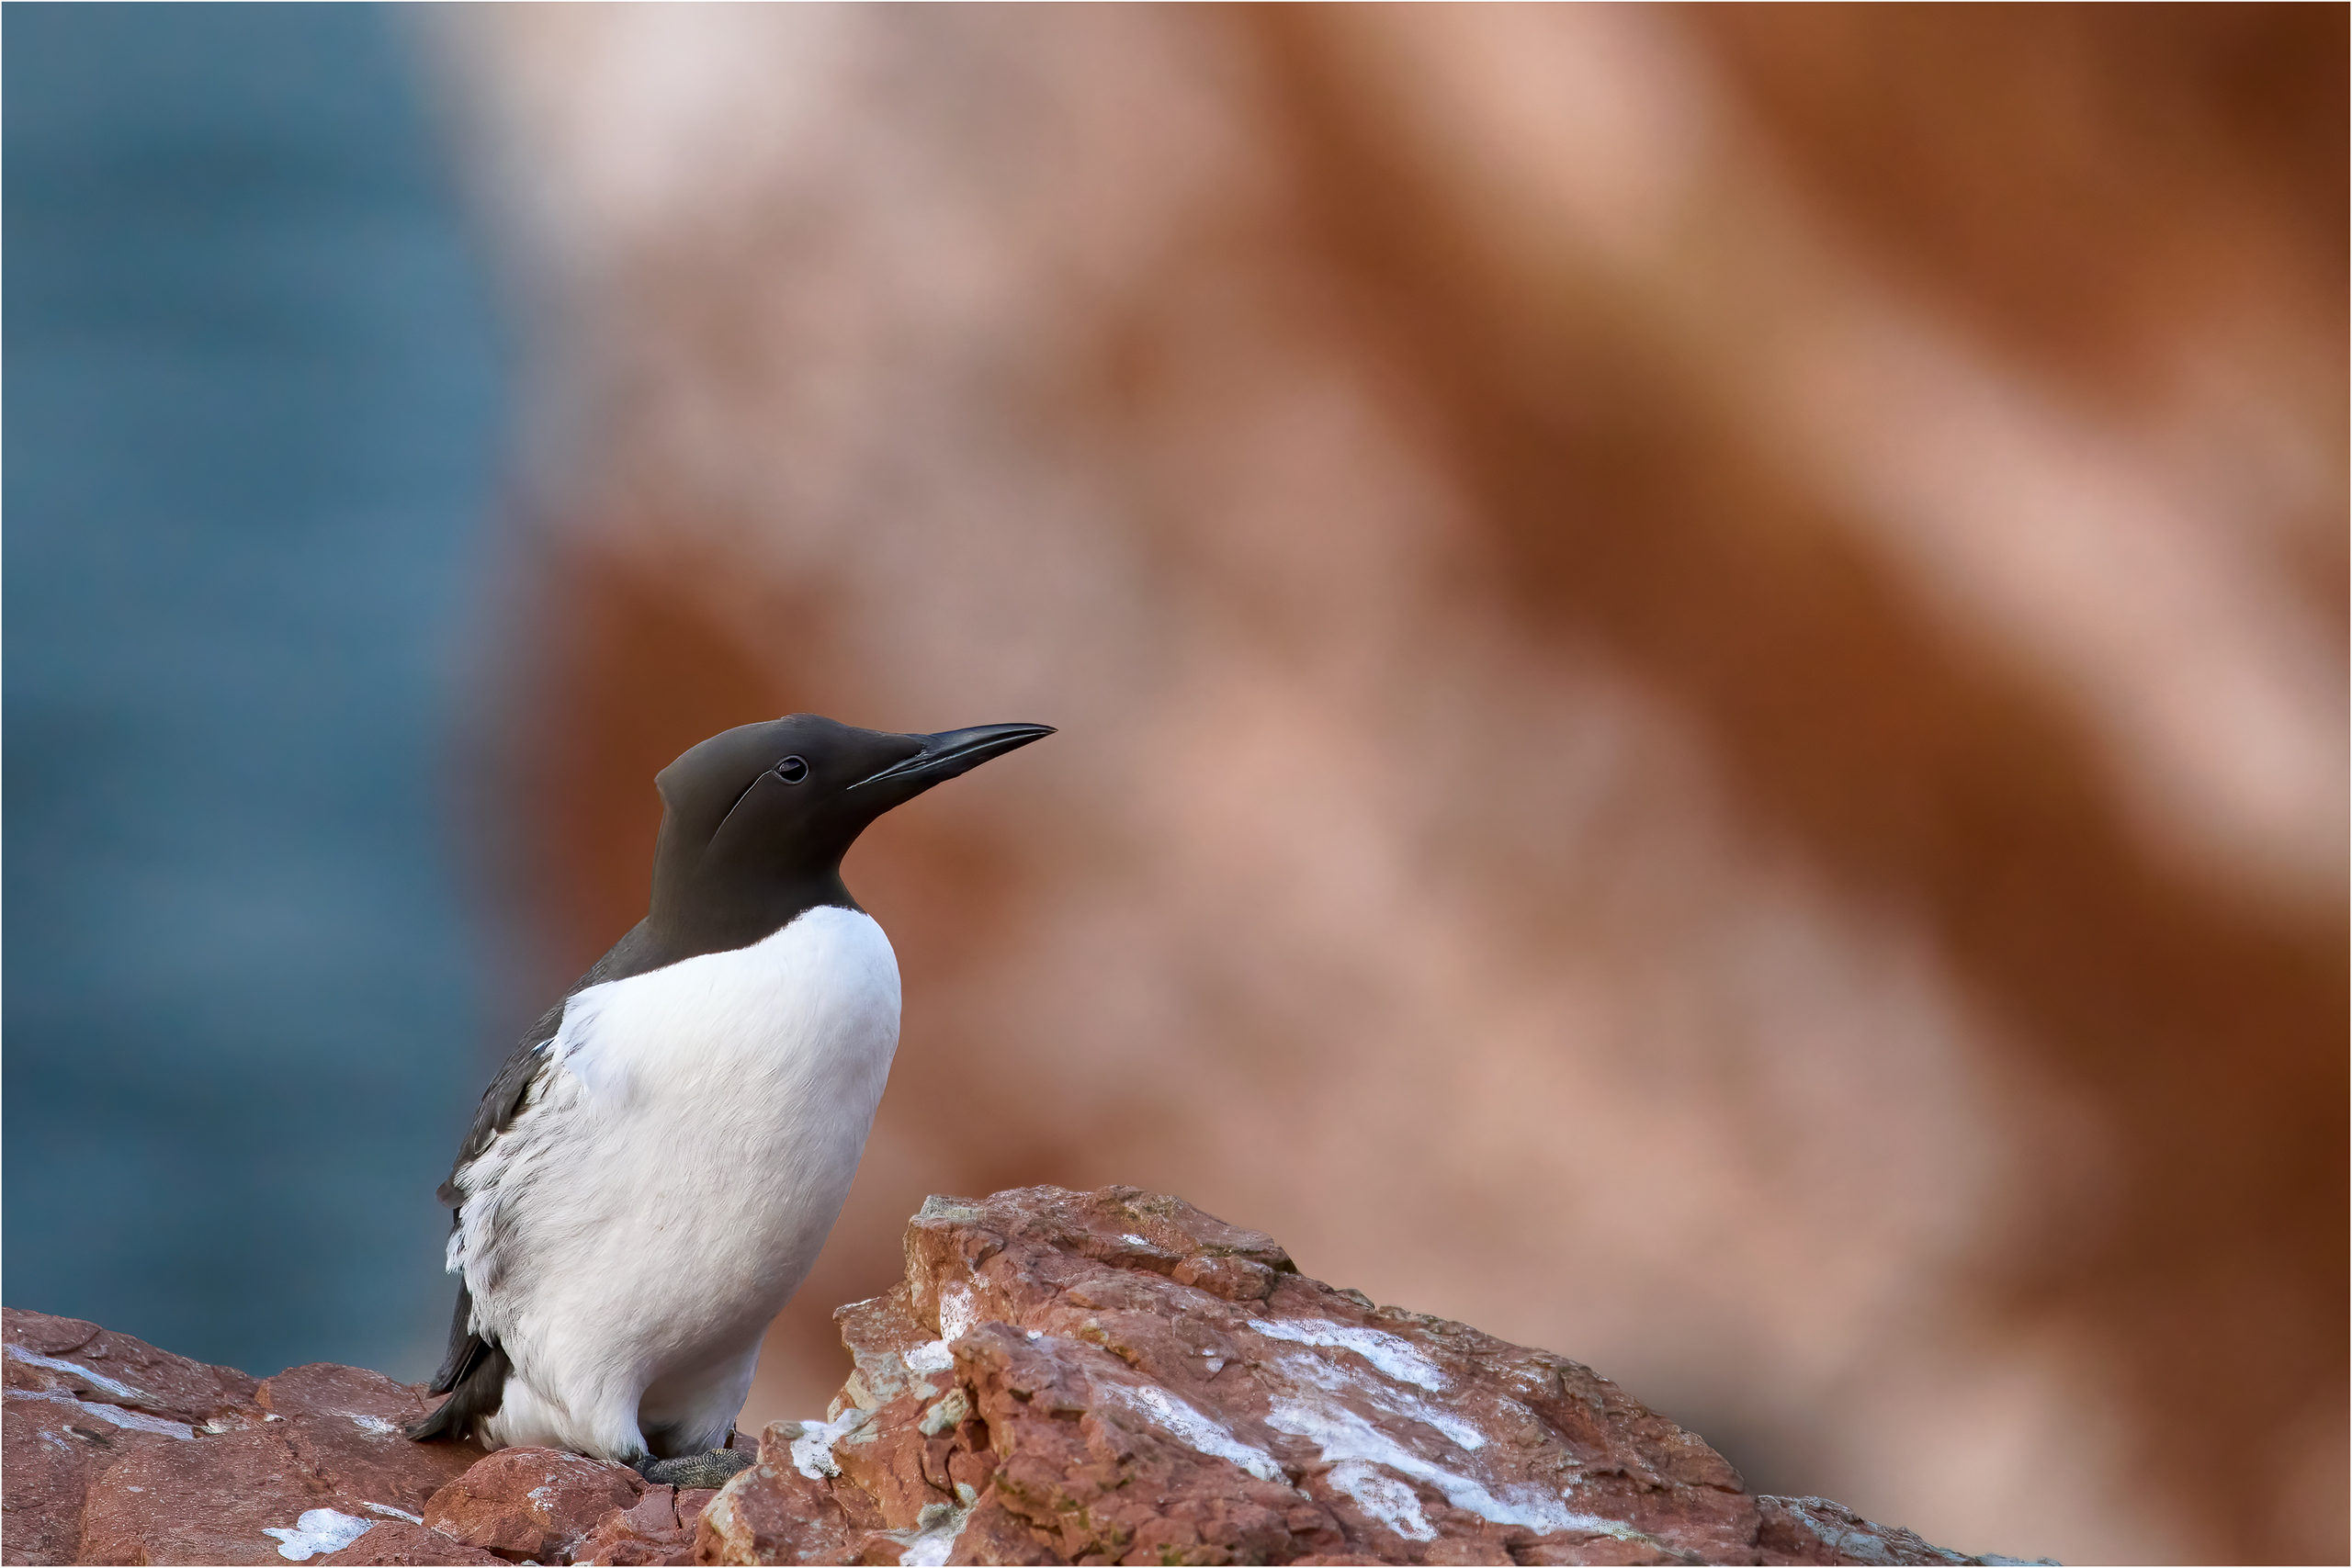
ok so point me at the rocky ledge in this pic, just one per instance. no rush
(1062, 1377)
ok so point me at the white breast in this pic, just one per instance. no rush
(673, 1181)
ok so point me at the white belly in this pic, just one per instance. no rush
(629, 1237)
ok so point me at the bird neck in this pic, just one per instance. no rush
(694, 914)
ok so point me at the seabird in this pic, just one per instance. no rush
(651, 1175)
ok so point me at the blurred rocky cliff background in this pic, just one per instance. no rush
(1699, 656)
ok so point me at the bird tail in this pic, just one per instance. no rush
(479, 1388)
(473, 1375)
(465, 1344)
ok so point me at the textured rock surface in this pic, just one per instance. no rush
(1062, 1377)
(114, 1451)
(1117, 1377)
(533, 1503)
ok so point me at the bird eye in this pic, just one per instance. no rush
(792, 770)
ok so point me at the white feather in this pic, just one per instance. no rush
(630, 1235)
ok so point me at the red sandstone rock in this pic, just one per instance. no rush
(114, 1451)
(1814, 1530)
(344, 1425)
(396, 1543)
(78, 1400)
(659, 1529)
(1117, 1377)
(533, 1503)
(67, 1354)
(1062, 1377)
(646, 1532)
(206, 1500)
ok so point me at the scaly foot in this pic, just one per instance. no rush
(713, 1469)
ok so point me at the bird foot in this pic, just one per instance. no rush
(713, 1469)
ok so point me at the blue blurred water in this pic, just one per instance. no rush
(251, 430)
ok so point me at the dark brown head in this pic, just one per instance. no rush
(755, 821)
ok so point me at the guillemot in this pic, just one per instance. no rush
(651, 1175)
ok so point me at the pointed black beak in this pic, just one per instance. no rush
(954, 751)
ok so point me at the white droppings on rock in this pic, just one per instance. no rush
(392, 1513)
(957, 1312)
(1343, 1435)
(812, 1451)
(1383, 1497)
(130, 1421)
(98, 1381)
(947, 1413)
(933, 1541)
(376, 1426)
(1396, 1357)
(934, 1356)
(317, 1531)
(1192, 1426)
(1335, 1378)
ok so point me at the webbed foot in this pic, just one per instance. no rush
(715, 1467)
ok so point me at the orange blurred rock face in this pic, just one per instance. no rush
(1651, 757)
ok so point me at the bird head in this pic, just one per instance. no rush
(755, 819)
